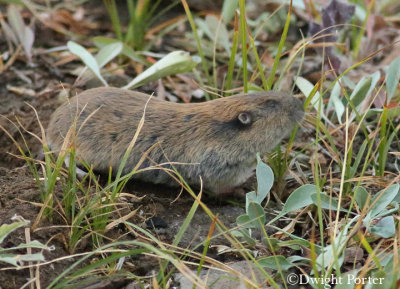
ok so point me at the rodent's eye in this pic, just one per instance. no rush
(244, 117)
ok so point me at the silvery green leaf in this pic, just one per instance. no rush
(35, 244)
(107, 53)
(327, 256)
(257, 214)
(16, 22)
(28, 42)
(348, 280)
(299, 198)
(376, 76)
(250, 197)
(86, 58)
(337, 102)
(361, 196)
(244, 221)
(242, 233)
(265, 179)
(392, 77)
(392, 112)
(228, 10)
(306, 88)
(277, 262)
(384, 228)
(6, 229)
(327, 202)
(16, 260)
(360, 91)
(101, 41)
(9, 33)
(218, 29)
(385, 198)
(173, 63)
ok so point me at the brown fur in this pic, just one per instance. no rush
(207, 133)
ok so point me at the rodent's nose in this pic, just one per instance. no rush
(298, 110)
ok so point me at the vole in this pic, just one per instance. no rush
(217, 140)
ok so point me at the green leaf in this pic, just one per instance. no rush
(391, 112)
(16, 260)
(251, 197)
(217, 29)
(16, 22)
(275, 262)
(361, 196)
(256, 213)
(348, 280)
(241, 233)
(172, 63)
(327, 257)
(295, 242)
(337, 102)
(86, 58)
(392, 77)
(360, 91)
(107, 53)
(10, 33)
(326, 202)
(300, 198)
(6, 229)
(228, 10)
(382, 279)
(360, 153)
(34, 244)
(306, 88)
(375, 77)
(271, 242)
(387, 197)
(101, 41)
(244, 221)
(389, 262)
(296, 258)
(265, 179)
(29, 38)
(384, 228)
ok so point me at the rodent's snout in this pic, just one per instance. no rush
(297, 112)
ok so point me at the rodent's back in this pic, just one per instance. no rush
(222, 136)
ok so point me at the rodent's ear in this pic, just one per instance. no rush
(244, 117)
(271, 103)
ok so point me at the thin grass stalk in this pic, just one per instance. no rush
(342, 179)
(259, 65)
(196, 37)
(271, 248)
(232, 58)
(243, 33)
(59, 282)
(70, 191)
(113, 13)
(361, 31)
(383, 139)
(179, 235)
(317, 181)
(369, 249)
(129, 36)
(206, 246)
(280, 47)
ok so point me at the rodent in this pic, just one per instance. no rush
(219, 138)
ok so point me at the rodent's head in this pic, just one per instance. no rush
(260, 119)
